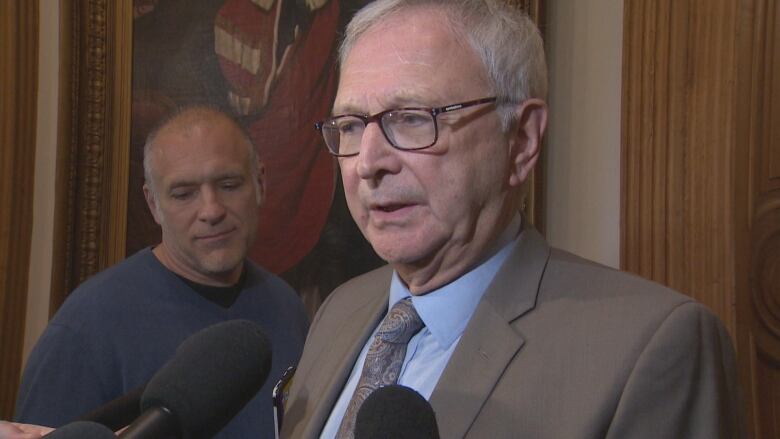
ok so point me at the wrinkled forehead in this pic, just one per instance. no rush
(413, 56)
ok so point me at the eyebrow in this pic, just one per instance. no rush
(180, 184)
(220, 177)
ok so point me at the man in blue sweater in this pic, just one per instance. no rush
(204, 185)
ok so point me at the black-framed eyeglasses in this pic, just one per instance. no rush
(408, 129)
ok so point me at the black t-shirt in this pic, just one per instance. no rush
(222, 296)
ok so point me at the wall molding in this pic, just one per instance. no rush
(94, 131)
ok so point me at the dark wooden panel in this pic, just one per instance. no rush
(759, 150)
(701, 194)
(18, 91)
(677, 141)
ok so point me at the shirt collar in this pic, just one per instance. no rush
(447, 310)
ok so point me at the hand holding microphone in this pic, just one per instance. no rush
(16, 430)
(82, 430)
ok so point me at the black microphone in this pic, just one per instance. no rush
(212, 376)
(82, 430)
(119, 412)
(395, 412)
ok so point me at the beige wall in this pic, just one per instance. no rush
(45, 156)
(584, 41)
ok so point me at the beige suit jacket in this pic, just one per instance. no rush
(559, 347)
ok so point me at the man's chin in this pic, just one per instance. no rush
(403, 248)
(394, 255)
(220, 266)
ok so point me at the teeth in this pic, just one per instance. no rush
(233, 49)
(239, 104)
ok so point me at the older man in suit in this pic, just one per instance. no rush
(437, 124)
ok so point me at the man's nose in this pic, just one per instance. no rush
(212, 209)
(377, 157)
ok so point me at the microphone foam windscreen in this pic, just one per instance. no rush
(82, 430)
(395, 412)
(212, 376)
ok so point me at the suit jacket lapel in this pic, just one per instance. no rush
(335, 361)
(489, 343)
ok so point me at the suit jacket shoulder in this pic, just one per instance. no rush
(564, 347)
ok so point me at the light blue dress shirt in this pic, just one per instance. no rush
(445, 312)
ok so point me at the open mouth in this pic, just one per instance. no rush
(390, 207)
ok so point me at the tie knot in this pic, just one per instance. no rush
(401, 323)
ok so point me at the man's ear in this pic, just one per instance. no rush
(260, 183)
(151, 202)
(526, 142)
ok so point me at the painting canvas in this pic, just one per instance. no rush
(270, 64)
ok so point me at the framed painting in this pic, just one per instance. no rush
(269, 63)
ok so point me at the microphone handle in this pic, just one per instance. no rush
(156, 422)
(119, 412)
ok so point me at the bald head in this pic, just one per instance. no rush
(183, 122)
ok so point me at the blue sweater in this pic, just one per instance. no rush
(118, 328)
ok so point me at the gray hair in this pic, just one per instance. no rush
(191, 116)
(505, 39)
